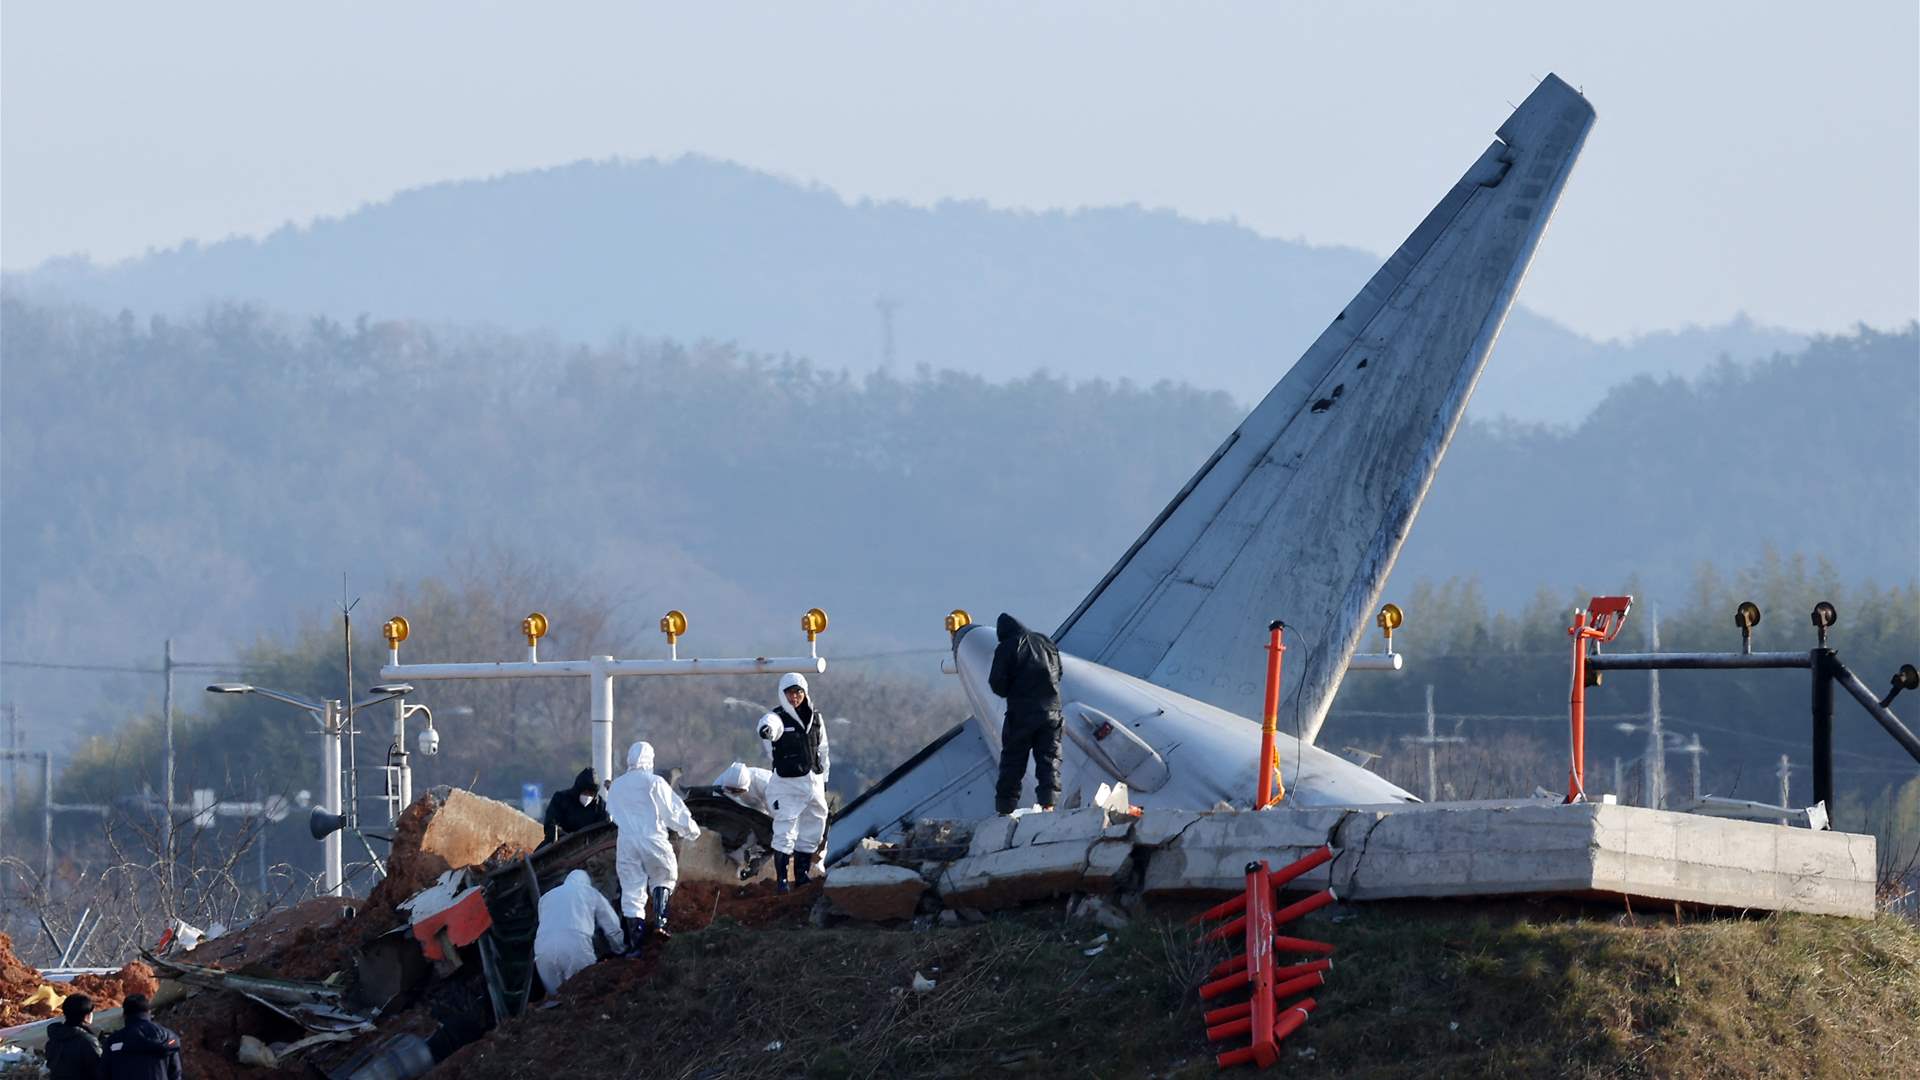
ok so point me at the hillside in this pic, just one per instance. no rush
(1416, 991)
(698, 250)
(211, 480)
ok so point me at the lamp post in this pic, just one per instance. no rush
(332, 717)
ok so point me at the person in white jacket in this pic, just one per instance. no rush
(569, 914)
(746, 785)
(794, 736)
(644, 807)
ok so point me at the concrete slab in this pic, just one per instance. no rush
(875, 893)
(1504, 848)
(1020, 874)
(467, 828)
(1631, 851)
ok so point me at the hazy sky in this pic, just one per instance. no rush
(1748, 156)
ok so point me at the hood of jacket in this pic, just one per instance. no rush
(791, 679)
(640, 756)
(578, 879)
(583, 784)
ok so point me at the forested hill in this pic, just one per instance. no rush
(210, 480)
(697, 250)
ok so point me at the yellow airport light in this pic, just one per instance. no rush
(394, 630)
(814, 622)
(673, 624)
(534, 627)
(958, 620)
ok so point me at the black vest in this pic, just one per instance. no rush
(797, 751)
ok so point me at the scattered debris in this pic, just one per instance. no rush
(922, 984)
(254, 1052)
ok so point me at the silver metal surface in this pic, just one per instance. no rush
(1300, 512)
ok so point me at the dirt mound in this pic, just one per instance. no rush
(409, 868)
(108, 991)
(305, 941)
(696, 904)
(19, 980)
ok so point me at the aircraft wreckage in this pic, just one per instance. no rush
(1299, 514)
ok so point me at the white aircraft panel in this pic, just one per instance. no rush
(1301, 515)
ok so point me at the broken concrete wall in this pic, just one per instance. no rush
(1439, 850)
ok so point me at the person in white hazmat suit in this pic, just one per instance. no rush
(746, 785)
(644, 807)
(569, 914)
(794, 736)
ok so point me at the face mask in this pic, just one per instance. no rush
(586, 800)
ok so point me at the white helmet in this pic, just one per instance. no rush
(771, 728)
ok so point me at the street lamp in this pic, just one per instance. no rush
(332, 717)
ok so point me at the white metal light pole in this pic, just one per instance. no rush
(332, 730)
(332, 716)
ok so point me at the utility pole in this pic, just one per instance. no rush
(886, 305)
(9, 740)
(1694, 749)
(1656, 742)
(1431, 741)
(166, 787)
(1619, 790)
(1785, 769)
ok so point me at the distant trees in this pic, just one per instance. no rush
(1500, 680)
(209, 479)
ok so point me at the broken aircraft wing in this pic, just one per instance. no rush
(1301, 512)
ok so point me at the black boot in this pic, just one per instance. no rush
(636, 931)
(780, 860)
(661, 894)
(802, 869)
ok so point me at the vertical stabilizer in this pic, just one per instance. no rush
(1301, 512)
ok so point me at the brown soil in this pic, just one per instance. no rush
(305, 941)
(19, 980)
(696, 904)
(409, 869)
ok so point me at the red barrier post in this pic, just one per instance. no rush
(1260, 959)
(1264, 794)
(1601, 621)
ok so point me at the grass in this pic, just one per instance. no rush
(1417, 990)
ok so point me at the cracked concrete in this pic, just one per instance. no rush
(1511, 848)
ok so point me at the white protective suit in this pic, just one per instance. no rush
(746, 785)
(569, 913)
(643, 806)
(799, 803)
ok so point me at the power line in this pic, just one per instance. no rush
(182, 665)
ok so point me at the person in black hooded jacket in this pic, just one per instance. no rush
(73, 1047)
(1026, 671)
(143, 1050)
(575, 808)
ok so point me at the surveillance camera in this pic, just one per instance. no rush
(429, 742)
